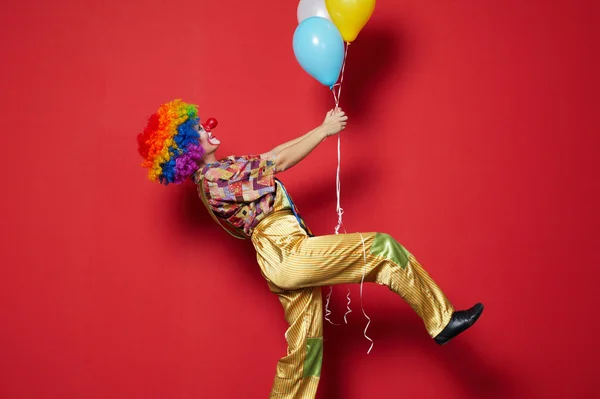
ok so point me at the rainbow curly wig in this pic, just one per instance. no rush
(170, 143)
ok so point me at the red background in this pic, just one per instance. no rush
(472, 140)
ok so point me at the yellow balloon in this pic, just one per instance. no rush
(350, 16)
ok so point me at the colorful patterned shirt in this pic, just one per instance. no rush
(242, 190)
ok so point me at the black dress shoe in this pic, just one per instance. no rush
(460, 321)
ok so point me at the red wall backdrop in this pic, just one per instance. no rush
(472, 140)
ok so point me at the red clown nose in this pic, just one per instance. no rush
(210, 124)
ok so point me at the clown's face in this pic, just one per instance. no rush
(208, 141)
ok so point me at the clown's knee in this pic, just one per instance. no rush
(314, 357)
(386, 246)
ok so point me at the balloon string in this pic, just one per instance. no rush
(337, 96)
(339, 210)
(327, 311)
(343, 69)
(361, 295)
(347, 307)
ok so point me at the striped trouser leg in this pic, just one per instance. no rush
(292, 260)
(299, 371)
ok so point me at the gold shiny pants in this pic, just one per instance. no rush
(296, 266)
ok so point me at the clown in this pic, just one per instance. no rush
(244, 197)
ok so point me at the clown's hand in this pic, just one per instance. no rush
(335, 122)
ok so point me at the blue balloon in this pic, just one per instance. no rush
(319, 49)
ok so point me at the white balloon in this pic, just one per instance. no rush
(312, 8)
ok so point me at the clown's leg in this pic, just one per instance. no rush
(343, 258)
(298, 373)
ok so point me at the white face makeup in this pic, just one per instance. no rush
(207, 140)
(211, 139)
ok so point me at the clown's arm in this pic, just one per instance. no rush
(283, 146)
(289, 154)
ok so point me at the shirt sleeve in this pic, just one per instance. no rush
(243, 179)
